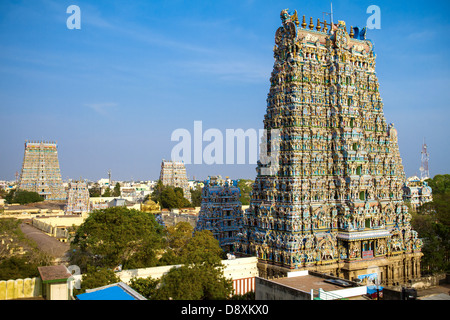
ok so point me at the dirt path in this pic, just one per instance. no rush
(45, 242)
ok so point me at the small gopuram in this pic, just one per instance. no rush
(40, 170)
(173, 173)
(416, 192)
(334, 203)
(77, 198)
(221, 211)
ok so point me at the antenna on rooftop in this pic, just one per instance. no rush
(331, 13)
(331, 17)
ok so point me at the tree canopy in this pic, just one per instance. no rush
(96, 277)
(120, 236)
(194, 282)
(116, 191)
(23, 197)
(196, 196)
(440, 183)
(432, 222)
(200, 275)
(169, 197)
(117, 236)
(19, 256)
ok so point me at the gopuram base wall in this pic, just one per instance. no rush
(390, 271)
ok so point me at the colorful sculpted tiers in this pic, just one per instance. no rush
(40, 170)
(221, 211)
(173, 173)
(335, 201)
(77, 198)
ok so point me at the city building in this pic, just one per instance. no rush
(173, 173)
(221, 211)
(77, 198)
(416, 192)
(40, 170)
(306, 285)
(330, 200)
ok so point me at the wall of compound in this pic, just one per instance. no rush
(270, 290)
(20, 288)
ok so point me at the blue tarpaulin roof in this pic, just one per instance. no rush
(373, 289)
(111, 292)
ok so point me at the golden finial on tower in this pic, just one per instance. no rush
(311, 24)
(304, 23)
(318, 24)
(351, 32)
(325, 28)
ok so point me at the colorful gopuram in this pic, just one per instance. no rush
(40, 170)
(77, 198)
(173, 173)
(416, 192)
(221, 211)
(334, 204)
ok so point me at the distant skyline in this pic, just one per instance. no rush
(112, 93)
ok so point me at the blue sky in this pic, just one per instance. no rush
(112, 93)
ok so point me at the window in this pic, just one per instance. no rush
(362, 195)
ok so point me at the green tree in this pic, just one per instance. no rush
(169, 197)
(145, 286)
(194, 282)
(116, 191)
(432, 222)
(96, 277)
(107, 192)
(23, 197)
(196, 196)
(177, 238)
(19, 256)
(201, 276)
(182, 202)
(9, 196)
(95, 191)
(440, 183)
(117, 236)
(157, 190)
(18, 268)
(202, 248)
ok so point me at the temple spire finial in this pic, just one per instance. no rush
(311, 24)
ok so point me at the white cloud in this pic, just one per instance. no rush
(102, 108)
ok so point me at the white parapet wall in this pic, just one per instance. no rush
(297, 273)
(347, 293)
(242, 271)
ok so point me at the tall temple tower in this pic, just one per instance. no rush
(173, 173)
(221, 211)
(40, 170)
(334, 204)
